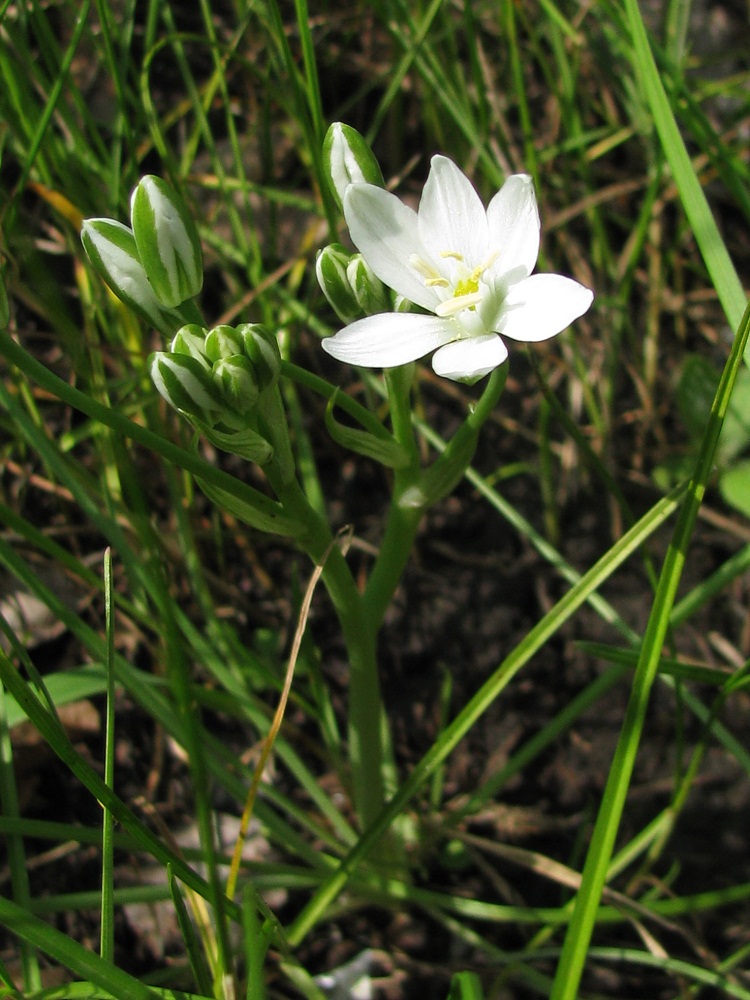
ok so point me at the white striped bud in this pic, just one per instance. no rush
(167, 240)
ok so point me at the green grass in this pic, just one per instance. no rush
(636, 141)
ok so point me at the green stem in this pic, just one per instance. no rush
(395, 549)
(449, 468)
(366, 749)
(402, 523)
(398, 383)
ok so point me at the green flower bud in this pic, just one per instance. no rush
(348, 159)
(167, 240)
(191, 340)
(331, 269)
(238, 382)
(112, 250)
(368, 289)
(187, 385)
(222, 342)
(262, 348)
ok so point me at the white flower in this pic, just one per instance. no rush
(468, 267)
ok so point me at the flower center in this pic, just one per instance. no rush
(466, 294)
(468, 286)
(462, 286)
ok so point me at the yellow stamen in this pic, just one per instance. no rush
(465, 288)
(428, 272)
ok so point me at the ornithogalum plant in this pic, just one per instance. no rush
(453, 278)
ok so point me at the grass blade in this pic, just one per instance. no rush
(715, 256)
(581, 927)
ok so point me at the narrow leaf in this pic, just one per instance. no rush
(383, 448)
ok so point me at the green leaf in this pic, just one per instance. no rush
(383, 448)
(446, 471)
(63, 688)
(267, 516)
(195, 952)
(695, 393)
(466, 986)
(81, 961)
(734, 485)
(667, 665)
(713, 249)
(245, 442)
(4, 306)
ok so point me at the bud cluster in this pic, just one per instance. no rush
(155, 265)
(218, 378)
(349, 284)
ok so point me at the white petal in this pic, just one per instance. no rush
(469, 360)
(385, 232)
(513, 220)
(390, 339)
(451, 214)
(541, 306)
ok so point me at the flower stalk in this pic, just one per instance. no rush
(453, 279)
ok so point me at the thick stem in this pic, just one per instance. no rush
(361, 615)
(395, 549)
(366, 748)
(403, 519)
(402, 522)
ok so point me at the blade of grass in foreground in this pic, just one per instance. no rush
(16, 853)
(575, 947)
(715, 256)
(107, 932)
(72, 955)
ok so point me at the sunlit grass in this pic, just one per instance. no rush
(642, 177)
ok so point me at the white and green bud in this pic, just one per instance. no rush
(368, 289)
(348, 159)
(191, 340)
(112, 250)
(238, 383)
(187, 385)
(401, 304)
(331, 266)
(167, 240)
(222, 342)
(262, 348)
